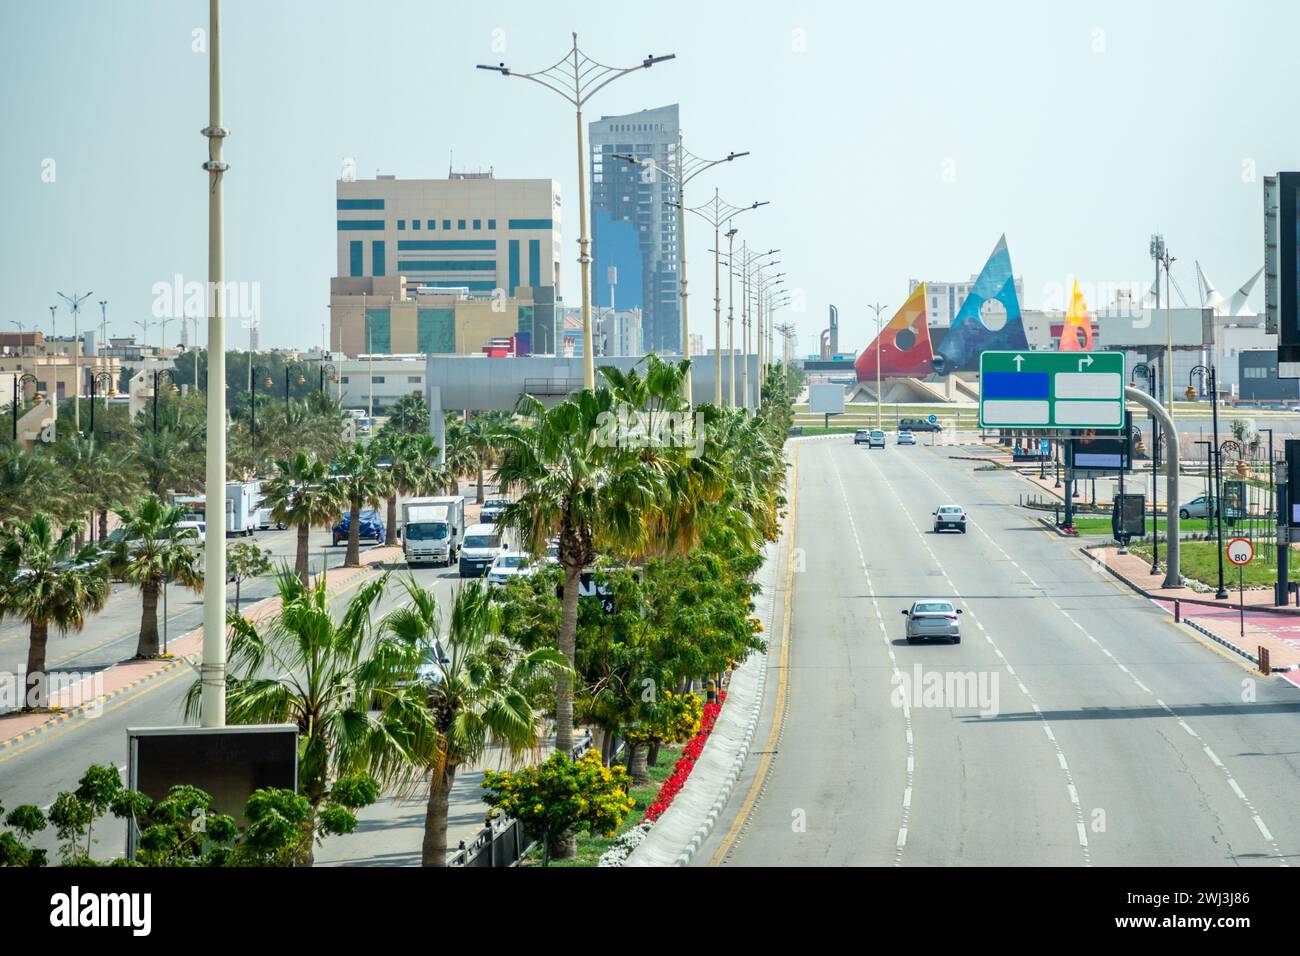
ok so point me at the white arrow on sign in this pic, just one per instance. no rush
(1084, 361)
(1018, 359)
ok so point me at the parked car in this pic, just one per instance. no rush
(933, 619)
(906, 438)
(492, 508)
(876, 439)
(861, 436)
(370, 527)
(950, 516)
(197, 528)
(918, 425)
(1203, 507)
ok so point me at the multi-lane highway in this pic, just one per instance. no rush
(1074, 725)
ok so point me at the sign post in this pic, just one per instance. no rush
(1240, 552)
(1051, 390)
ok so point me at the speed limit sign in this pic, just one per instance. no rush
(1239, 551)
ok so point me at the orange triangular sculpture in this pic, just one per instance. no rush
(904, 344)
(1076, 320)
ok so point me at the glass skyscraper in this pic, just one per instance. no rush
(630, 209)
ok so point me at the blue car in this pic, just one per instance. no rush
(371, 527)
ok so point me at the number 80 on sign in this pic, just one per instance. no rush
(1239, 551)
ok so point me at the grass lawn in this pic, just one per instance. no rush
(1199, 561)
(590, 847)
(1101, 525)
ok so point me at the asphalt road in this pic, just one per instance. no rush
(1074, 725)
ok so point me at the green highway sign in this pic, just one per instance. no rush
(1031, 389)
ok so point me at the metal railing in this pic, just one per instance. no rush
(503, 842)
(551, 386)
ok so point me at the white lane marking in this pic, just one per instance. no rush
(884, 637)
(1214, 758)
(1236, 788)
(1078, 811)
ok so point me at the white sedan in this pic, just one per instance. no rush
(509, 564)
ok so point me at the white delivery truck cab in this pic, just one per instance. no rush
(264, 520)
(432, 529)
(241, 508)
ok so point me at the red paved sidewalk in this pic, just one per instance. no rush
(88, 695)
(1277, 630)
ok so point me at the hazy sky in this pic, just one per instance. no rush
(894, 140)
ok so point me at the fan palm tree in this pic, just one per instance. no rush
(302, 496)
(409, 415)
(152, 552)
(360, 484)
(45, 579)
(484, 694)
(100, 478)
(32, 482)
(587, 492)
(322, 672)
(412, 469)
(482, 436)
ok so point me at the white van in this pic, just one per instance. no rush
(483, 542)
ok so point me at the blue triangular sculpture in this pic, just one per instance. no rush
(969, 336)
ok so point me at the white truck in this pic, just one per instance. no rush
(432, 529)
(241, 508)
(264, 520)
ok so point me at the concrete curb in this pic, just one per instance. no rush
(81, 710)
(687, 823)
(63, 716)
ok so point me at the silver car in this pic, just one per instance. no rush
(933, 618)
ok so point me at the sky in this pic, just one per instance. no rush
(893, 140)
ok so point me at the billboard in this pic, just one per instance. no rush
(227, 762)
(1282, 271)
(826, 399)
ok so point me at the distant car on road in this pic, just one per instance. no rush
(906, 438)
(876, 439)
(370, 527)
(918, 425)
(950, 516)
(933, 619)
(198, 529)
(1203, 507)
(861, 436)
(492, 508)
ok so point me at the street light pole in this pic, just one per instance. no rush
(577, 78)
(1222, 593)
(688, 167)
(74, 305)
(212, 706)
(878, 308)
(731, 318)
(714, 212)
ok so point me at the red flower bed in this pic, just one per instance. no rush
(686, 762)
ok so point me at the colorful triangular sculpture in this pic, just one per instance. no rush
(1076, 321)
(903, 344)
(989, 319)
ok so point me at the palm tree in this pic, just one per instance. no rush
(301, 495)
(412, 469)
(483, 695)
(170, 458)
(482, 436)
(361, 484)
(309, 667)
(585, 491)
(409, 415)
(152, 552)
(100, 477)
(45, 579)
(32, 482)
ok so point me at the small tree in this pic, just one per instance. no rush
(243, 561)
(28, 820)
(561, 796)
